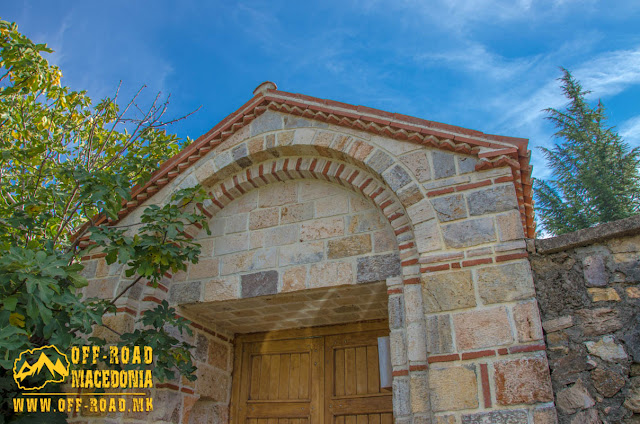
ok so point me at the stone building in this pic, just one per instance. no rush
(333, 225)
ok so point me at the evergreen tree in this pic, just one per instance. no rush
(594, 172)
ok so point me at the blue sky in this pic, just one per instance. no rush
(489, 65)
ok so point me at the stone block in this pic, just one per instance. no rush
(595, 271)
(301, 253)
(349, 246)
(202, 346)
(418, 163)
(337, 204)
(322, 228)
(416, 342)
(558, 324)
(443, 164)
(212, 383)
(278, 194)
(574, 398)
(439, 334)
(469, 233)
(294, 278)
(509, 226)
(599, 321)
(218, 355)
(240, 154)
(205, 268)
(364, 222)
(268, 121)
(633, 292)
(259, 284)
(427, 236)
(515, 416)
(467, 164)
(327, 274)
(246, 203)
(398, 347)
(384, 241)
(401, 397)
(181, 293)
(527, 320)
(522, 381)
(410, 195)
(445, 419)
(284, 234)
(505, 283)
(379, 161)
(482, 328)
(607, 382)
(263, 218)
(421, 211)
(396, 177)
(396, 312)
(607, 349)
(419, 394)
(492, 200)
(453, 388)
(296, 212)
(545, 415)
(589, 416)
(311, 190)
(122, 323)
(608, 294)
(249, 261)
(220, 289)
(450, 208)
(447, 291)
(378, 268)
(231, 243)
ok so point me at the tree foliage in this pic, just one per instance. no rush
(595, 173)
(63, 162)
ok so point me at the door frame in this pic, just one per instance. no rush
(298, 333)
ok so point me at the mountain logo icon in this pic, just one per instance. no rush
(34, 368)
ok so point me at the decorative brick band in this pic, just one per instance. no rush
(443, 358)
(486, 388)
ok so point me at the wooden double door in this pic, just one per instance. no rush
(311, 376)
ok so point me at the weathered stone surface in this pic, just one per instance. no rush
(397, 177)
(482, 328)
(491, 200)
(574, 398)
(212, 382)
(322, 228)
(603, 295)
(181, 293)
(418, 163)
(379, 161)
(263, 218)
(450, 208)
(607, 349)
(363, 222)
(632, 401)
(296, 212)
(632, 339)
(427, 236)
(396, 312)
(522, 381)
(283, 234)
(419, 391)
(590, 416)
(566, 369)
(467, 164)
(599, 321)
(607, 382)
(595, 271)
(231, 243)
(268, 121)
(545, 415)
(277, 194)
(516, 416)
(527, 320)
(447, 291)
(384, 241)
(378, 267)
(337, 204)
(633, 292)
(294, 278)
(259, 284)
(557, 324)
(220, 289)
(453, 388)
(349, 246)
(469, 233)
(218, 355)
(505, 283)
(301, 253)
(249, 261)
(410, 195)
(439, 334)
(445, 419)
(510, 226)
(326, 274)
(443, 164)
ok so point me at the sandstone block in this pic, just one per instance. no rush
(516, 416)
(231, 243)
(259, 284)
(263, 218)
(509, 226)
(322, 228)
(443, 164)
(365, 221)
(410, 195)
(384, 241)
(277, 194)
(450, 208)
(218, 355)
(181, 293)
(416, 342)
(574, 398)
(607, 382)
(447, 291)
(603, 295)
(522, 381)
(421, 211)
(401, 397)
(397, 347)
(419, 393)
(349, 246)
(527, 320)
(482, 328)
(326, 274)
(505, 283)
(607, 349)
(418, 163)
(397, 177)
(378, 267)
(396, 312)
(453, 388)
(599, 321)
(301, 253)
(469, 233)
(212, 383)
(284, 234)
(240, 154)
(268, 121)
(633, 292)
(204, 268)
(427, 236)
(493, 199)
(467, 164)
(296, 212)
(294, 278)
(558, 324)
(590, 416)
(439, 334)
(220, 289)
(379, 161)
(249, 261)
(337, 204)
(545, 415)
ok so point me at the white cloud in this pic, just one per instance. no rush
(630, 131)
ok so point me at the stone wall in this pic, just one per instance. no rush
(587, 289)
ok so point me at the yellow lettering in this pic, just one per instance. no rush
(75, 354)
(96, 379)
(85, 354)
(96, 354)
(124, 383)
(103, 405)
(149, 404)
(124, 355)
(113, 354)
(45, 404)
(133, 379)
(135, 358)
(148, 379)
(105, 379)
(18, 404)
(88, 379)
(112, 405)
(122, 404)
(138, 404)
(93, 405)
(115, 381)
(61, 404)
(148, 355)
(77, 378)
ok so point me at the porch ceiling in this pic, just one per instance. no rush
(324, 306)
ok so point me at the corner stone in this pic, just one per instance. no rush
(259, 284)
